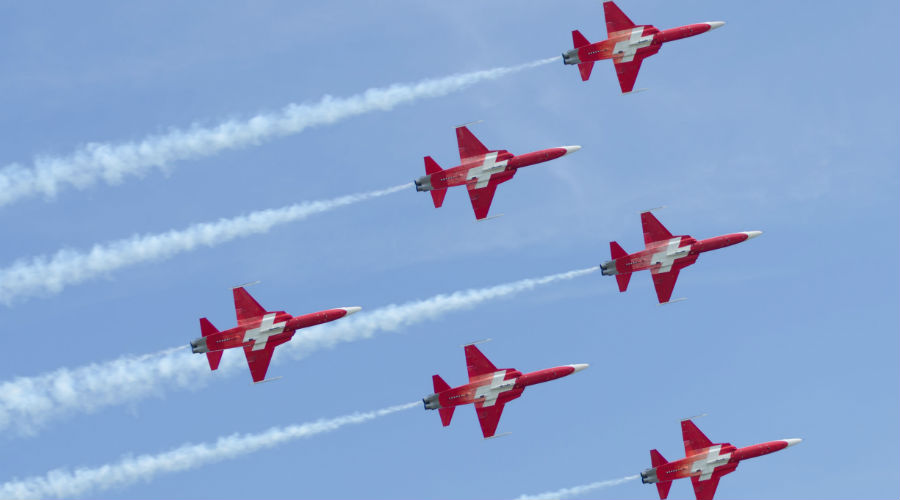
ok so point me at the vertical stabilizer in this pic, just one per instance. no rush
(662, 487)
(585, 70)
(213, 357)
(578, 40)
(439, 387)
(437, 195)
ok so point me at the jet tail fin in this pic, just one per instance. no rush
(585, 70)
(663, 489)
(616, 252)
(214, 357)
(446, 415)
(656, 459)
(437, 195)
(578, 40)
(441, 386)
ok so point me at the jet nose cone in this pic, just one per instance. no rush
(571, 149)
(351, 310)
(579, 367)
(792, 442)
(752, 234)
(715, 24)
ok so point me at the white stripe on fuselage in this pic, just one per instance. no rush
(668, 255)
(707, 465)
(266, 329)
(628, 48)
(482, 173)
(492, 391)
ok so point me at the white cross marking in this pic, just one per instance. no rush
(707, 465)
(482, 173)
(266, 329)
(628, 48)
(492, 391)
(668, 255)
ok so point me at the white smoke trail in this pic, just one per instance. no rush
(83, 482)
(577, 490)
(113, 162)
(44, 275)
(27, 403)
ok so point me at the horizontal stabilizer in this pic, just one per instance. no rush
(663, 489)
(585, 70)
(431, 166)
(439, 384)
(437, 196)
(578, 40)
(207, 328)
(616, 251)
(656, 459)
(622, 280)
(446, 415)
(214, 358)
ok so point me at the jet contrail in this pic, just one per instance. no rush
(45, 275)
(27, 403)
(577, 490)
(111, 162)
(84, 482)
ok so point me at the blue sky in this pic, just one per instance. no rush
(785, 120)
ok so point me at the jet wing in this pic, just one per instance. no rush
(653, 229)
(245, 306)
(259, 360)
(616, 20)
(627, 73)
(704, 490)
(489, 418)
(664, 284)
(469, 145)
(477, 363)
(481, 198)
(694, 439)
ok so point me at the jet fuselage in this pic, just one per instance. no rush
(275, 327)
(498, 166)
(639, 41)
(498, 387)
(662, 255)
(719, 459)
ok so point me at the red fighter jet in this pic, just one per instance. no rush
(664, 255)
(258, 332)
(704, 462)
(488, 388)
(480, 170)
(628, 44)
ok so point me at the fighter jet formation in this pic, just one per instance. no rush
(481, 170)
(704, 462)
(259, 331)
(628, 44)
